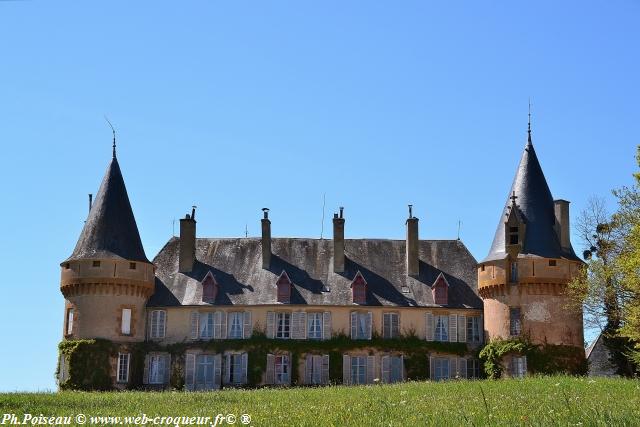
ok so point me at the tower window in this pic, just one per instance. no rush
(125, 328)
(513, 236)
(482, 267)
(132, 266)
(70, 312)
(96, 264)
(515, 324)
(552, 263)
(514, 272)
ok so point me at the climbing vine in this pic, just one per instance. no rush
(541, 358)
(87, 364)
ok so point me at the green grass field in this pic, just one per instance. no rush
(535, 401)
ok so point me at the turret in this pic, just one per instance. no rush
(107, 279)
(524, 277)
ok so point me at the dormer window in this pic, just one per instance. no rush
(283, 286)
(209, 288)
(513, 235)
(359, 289)
(440, 290)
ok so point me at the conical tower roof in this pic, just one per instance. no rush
(536, 207)
(110, 230)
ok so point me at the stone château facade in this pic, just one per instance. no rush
(208, 313)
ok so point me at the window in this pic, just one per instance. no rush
(284, 288)
(209, 288)
(390, 325)
(552, 263)
(473, 368)
(123, 367)
(473, 329)
(440, 290)
(314, 326)
(206, 325)
(359, 289)
(317, 369)
(440, 368)
(158, 318)
(126, 321)
(157, 368)
(513, 235)
(482, 267)
(514, 272)
(282, 369)
(358, 370)
(204, 371)
(96, 264)
(392, 369)
(442, 328)
(236, 368)
(236, 321)
(518, 366)
(132, 266)
(70, 313)
(283, 325)
(360, 325)
(515, 326)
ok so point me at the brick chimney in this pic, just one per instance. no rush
(413, 255)
(562, 228)
(187, 255)
(266, 239)
(338, 242)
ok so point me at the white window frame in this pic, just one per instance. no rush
(283, 319)
(315, 325)
(70, 315)
(441, 366)
(204, 361)
(235, 324)
(282, 369)
(473, 329)
(206, 326)
(363, 325)
(441, 328)
(124, 359)
(389, 330)
(156, 368)
(125, 324)
(518, 366)
(158, 323)
(358, 369)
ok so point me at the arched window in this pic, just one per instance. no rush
(440, 290)
(359, 289)
(209, 288)
(283, 286)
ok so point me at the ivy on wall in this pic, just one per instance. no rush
(89, 367)
(546, 359)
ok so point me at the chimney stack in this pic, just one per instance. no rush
(266, 239)
(413, 254)
(561, 208)
(338, 242)
(187, 255)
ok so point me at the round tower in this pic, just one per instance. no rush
(107, 279)
(523, 280)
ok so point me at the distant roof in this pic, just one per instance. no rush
(536, 206)
(110, 230)
(237, 267)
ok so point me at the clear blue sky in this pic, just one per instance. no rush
(234, 106)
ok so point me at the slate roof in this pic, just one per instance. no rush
(237, 266)
(536, 206)
(110, 230)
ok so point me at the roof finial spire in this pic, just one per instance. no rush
(529, 126)
(114, 136)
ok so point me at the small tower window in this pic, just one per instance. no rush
(552, 263)
(96, 264)
(514, 272)
(359, 289)
(132, 266)
(515, 324)
(283, 286)
(209, 288)
(513, 236)
(70, 313)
